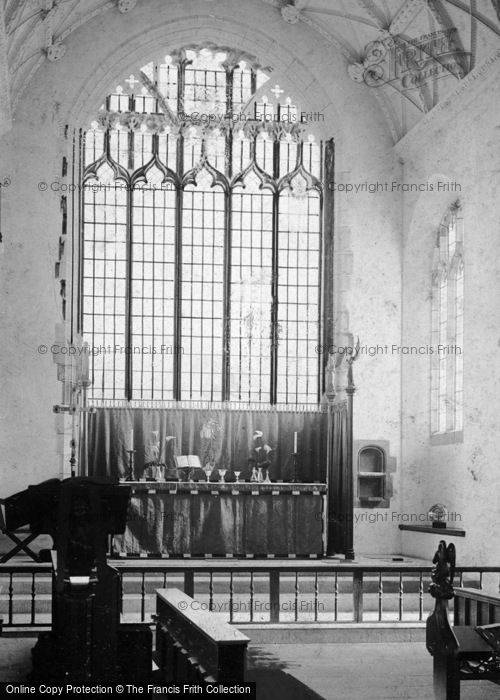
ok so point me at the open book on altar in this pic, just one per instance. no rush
(187, 462)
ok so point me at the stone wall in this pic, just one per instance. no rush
(458, 143)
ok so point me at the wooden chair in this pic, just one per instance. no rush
(14, 536)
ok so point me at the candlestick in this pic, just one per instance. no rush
(130, 476)
(72, 459)
(295, 464)
(131, 443)
(295, 442)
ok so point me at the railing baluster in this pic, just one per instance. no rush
(400, 597)
(336, 598)
(251, 596)
(421, 597)
(357, 595)
(121, 591)
(33, 593)
(189, 582)
(211, 591)
(296, 606)
(480, 580)
(231, 596)
(274, 595)
(380, 595)
(11, 598)
(164, 579)
(316, 594)
(143, 596)
(461, 579)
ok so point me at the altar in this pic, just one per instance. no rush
(273, 473)
(178, 519)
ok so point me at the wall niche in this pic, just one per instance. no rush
(374, 468)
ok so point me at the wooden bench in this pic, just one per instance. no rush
(194, 645)
(460, 652)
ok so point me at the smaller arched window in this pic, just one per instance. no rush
(447, 326)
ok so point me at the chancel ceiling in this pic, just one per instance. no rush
(410, 53)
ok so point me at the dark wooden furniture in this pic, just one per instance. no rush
(460, 653)
(86, 642)
(21, 545)
(194, 645)
(176, 519)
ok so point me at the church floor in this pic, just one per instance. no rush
(365, 671)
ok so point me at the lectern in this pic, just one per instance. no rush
(87, 641)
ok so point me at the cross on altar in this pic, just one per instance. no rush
(132, 82)
(277, 91)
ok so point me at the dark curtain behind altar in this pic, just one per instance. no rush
(109, 435)
(339, 511)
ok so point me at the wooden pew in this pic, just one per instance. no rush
(460, 653)
(473, 607)
(194, 645)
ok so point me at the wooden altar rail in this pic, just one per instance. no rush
(258, 591)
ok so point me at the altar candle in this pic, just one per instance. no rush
(295, 443)
(131, 438)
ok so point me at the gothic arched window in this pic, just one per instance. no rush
(203, 238)
(447, 326)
